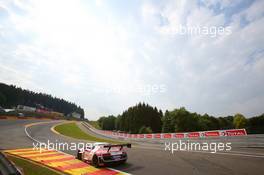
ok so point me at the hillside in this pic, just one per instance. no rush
(11, 96)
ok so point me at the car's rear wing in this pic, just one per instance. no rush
(128, 145)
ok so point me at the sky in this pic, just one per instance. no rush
(107, 55)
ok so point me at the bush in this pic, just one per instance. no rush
(256, 125)
(239, 121)
(145, 130)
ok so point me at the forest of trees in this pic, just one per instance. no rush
(11, 96)
(134, 120)
(143, 118)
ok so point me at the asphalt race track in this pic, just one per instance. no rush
(145, 158)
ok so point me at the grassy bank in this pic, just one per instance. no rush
(72, 130)
(31, 168)
(95, 124)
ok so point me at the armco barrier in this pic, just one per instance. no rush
(193, 135)
(198, 134)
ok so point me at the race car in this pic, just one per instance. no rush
(102, 154)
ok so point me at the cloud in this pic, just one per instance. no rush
(255, 11)
(88, 54)
(209, 73)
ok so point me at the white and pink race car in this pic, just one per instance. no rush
(101, 154)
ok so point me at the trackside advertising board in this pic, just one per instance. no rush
(198, 134)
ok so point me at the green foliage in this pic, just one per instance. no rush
(140, 115)
(181, 120)
(168, 123)
(226, 122)
(145, 130)
(2, 99)
(95, 124)
(133, 119)
(256, 125)
(148, 130)
(240, 121)
(107, 123)
(143, 118)
(11, 96)
(140, 118)
(72, 130)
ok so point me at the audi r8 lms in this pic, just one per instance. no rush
(101, 154)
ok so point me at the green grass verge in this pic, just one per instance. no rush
(31, 168)
(95, 124)
(72, 130)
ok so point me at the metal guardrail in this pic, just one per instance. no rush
(256, 140)
(7, 167)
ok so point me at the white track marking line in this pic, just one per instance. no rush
(30, 136)
(233, 153)
(119, 171)
(32, 124)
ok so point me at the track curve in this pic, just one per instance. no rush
(143, 159)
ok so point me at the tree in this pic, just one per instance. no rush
(2, 99)
(11, 96)
(135, 117)
(181, 120)
(239, 121)
(145, 130)
(143, 118)
(256, 124)
(226, 122)
(184, 120)
(168, 124)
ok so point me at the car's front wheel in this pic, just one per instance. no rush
(123, 162)
(95, 161)
(79, 155)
